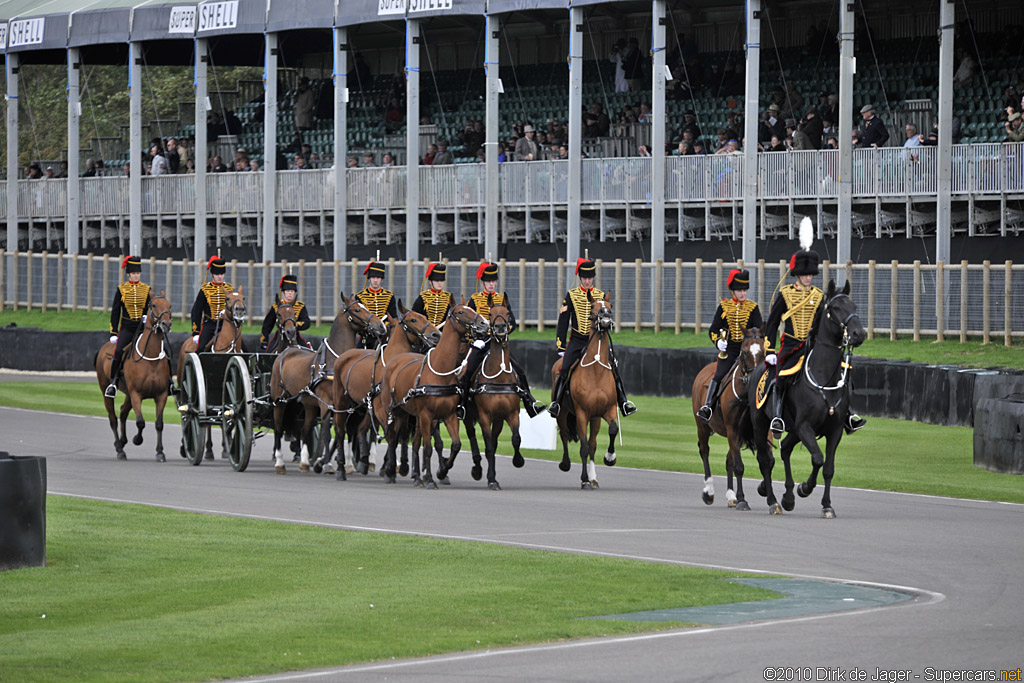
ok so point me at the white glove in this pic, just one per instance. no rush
(195, 339)
(143, 317)
(722, 345)
(480, 343)
(770, 359)
(113, 339)
(561, 353)
(221, 314)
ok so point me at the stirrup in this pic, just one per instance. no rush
(460, 412)
(553, 409)
(627, 408)
(705, 413)
(854, 422)
(110, 391)
(777, 426)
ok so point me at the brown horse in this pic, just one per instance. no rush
(734, 390)
(146, 373)
(495, 400)
(592, 390)
(295, 370)
(228, 339)
(287, 330)
(358, 371)
(422, 390)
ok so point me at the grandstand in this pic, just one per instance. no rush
(615, 201)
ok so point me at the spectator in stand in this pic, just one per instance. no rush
(563, 152)
(771, 125)
(63, 171)
(217, 166)
(173, 156)
(698, 147)
(353, 162)
(368, 160)
(526, 146)
(875, 133)
(48, 174)
(90, 169)
(502, 153)
(966, 70)
(295, 146)
(684, 149)
(832, 143)
(305, 100)
(813, 127)
(830, 110)
(801, 142)
(214, 125)
(556, 133)
(481, 156)
(733, 121)
(242, 165)
(633, 64)
(913, 140)
(394, 116)
(190, 166)
(690, 124)
(854, 139)
(777, 145)
(443, 155)
(618, 57)
(159, 162)
(1014, 128)
(388, 161)
(723, 139)
(828, 128)
(300, 163)
(253, 165)
(1011, 99)
(473, 137)
(645, 115)
(431, 154)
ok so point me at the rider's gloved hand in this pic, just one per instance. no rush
(722, 345)
(195, 339)
(561, 353)
(143, 317)
(770, 359)
(113, 339)
(479, 343)
(221, 314)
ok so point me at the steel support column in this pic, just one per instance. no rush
(658, 48)
(491, 64)
(135, 147)
(201, 152)
(11, 68)
(412, 139)
(572, 246)
(750, 119)
(73, 225)
(270, 233)
(847, 67)
(340, 143)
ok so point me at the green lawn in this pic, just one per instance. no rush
(888, 455)
(134, 593)
(973, 354)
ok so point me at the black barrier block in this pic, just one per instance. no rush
(22, 512)
(998, 437)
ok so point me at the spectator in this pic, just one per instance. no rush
(300, 163)
(443, 155)
(173, 156)
(1014, 128)
(698, 147)
(159, 162)
(526, 147)
(801, 142)
(828, 128)
(556, 133)
(90, 169)
(633, 64)
(643, 151)
(431, 154)
(875, 133)
(393, 116)
(966, 70)
(368, 160)
(830, 110)
(645, 115)
(305, 99)
(502, 153)
(617, 57)
(563, 152)
(771, 125)
(242, 165)
(777, 145)
(481, 156)
(473, 137)
(353, 162)
(49, 173)
(684, 148)
(388, 160)
(295, 145)
(913, 140)
(63, 171)
(214, 125)
(190, 166)
(690, 124)
(813, 127)
(253, 165)
(832, 143)
(217, 166)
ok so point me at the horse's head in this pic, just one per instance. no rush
(601, 318)
(234, 306)
(500, 324)
(469, 320)
(840, 317)
(361, 320)
(287, 325)
(418, 330)
(752, 349)
(158, 317)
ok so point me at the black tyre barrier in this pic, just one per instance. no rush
(998, 441)
(22, 511)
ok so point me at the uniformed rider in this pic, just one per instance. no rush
(574, 334)
(380, 301)
(733, 317)
(289, 291)
(434, 302)
(127, 314)
(482, 302)
(209, 305)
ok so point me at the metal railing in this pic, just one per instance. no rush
(893, 299)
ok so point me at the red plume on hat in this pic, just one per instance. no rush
(481, 269)
(367, 268)
(792, 262)
(732, 273)
(124, 263)
(430, 269)
(579, 262)
(210, 262)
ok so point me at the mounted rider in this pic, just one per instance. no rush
(797, 311)
(208, 307)
(380, 301)
(434, 302)
(127, 315)
(733, 317)
(482, 302)
(289, 292)
(574, 334)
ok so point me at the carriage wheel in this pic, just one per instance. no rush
(236, 422)
(192, 406)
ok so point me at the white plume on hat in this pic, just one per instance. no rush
(806, 233)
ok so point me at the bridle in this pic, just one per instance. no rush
(601, 322)
(421, 334)
(234, 315)
(477, 326)
(158, 322)
(365, 326)
(499, 333)
(843, 324)
(290, 332)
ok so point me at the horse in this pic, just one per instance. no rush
(495, 400)
(146, 373)
(287, 331)
(422, 389)
(815, 405)
(734, 388)
(294, 375)
(593, 397)
(227, 339)
(358, 372)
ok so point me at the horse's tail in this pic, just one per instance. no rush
(742, 425)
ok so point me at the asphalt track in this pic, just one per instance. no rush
(962, 559)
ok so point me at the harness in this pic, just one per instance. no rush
(844, 364)
(149, 333)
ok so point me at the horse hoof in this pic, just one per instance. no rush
(340, 475)
(828, 513)
(208, 456)
(593, 482)
(445, 481)
(761, 490)
(122, 456)
(389, 480)
(403, 469)
(707, 498)
(518, 460)
(565, 465)
(137, 439)
(361, 468)
(160, 457)
(587, 486)
(803, 490)
(372, 466)
(788, 502)
(303, 467)
(296, 458)
(731, 502)
(477, 472)
(280, 469)
(318, 468)
(775, 509)
(611, 462)
(494, 486)
(417, 483)
(430, 484)
(742, 505)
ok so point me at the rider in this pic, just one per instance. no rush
(734, 317)
(435, 302)
(574, 333)
(127, 314)
(796, 311)
(380, 301)
(482, 302)
(289, 291)
(209, 304)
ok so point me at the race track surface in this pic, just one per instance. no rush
(963, 560)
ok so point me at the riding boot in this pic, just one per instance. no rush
(777, 425)
(556, 395)
(477, 352)
(115, 377)
(626, 406)
(706, 410)
(531, 404)
(171, 390)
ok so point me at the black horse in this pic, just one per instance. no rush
(815, 405)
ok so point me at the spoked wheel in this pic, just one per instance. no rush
(192, 405)
(236, 420)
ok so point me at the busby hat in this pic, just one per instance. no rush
(487, 272)
(805, 261)
(374, 269)
(738, 279)
(436, 271)
(290, 282)
(216, 266)
(131, 264)
(585, 267)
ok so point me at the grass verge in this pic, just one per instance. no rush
(888, 455)
(134, 593)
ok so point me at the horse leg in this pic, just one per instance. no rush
(827, 470)
(730, 464)
(513, 423)
(489, 430)
(581, 425)
(595, 427)
(477, 472)
(278, 430)
(766, 461)
(439, 446)
(785, 451)
(703, 437)
(807, 438)
(306, 438)
(126, 407)
(613, 430)
(563, 432)
(209, 444)
(451, 423)
(112, 420)
(160, 401)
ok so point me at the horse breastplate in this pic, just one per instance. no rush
(801, 306)
(216, 296)
(133, 298)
